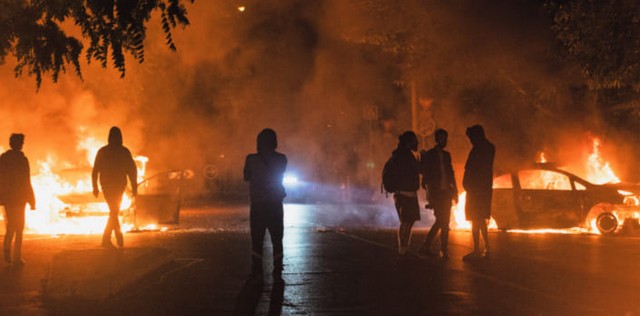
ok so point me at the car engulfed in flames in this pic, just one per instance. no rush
(543, 196)
(608, 218)
(66, 205)
(156, 205)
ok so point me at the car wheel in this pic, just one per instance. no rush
(606, 223)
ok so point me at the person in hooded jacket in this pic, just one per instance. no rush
(16, 192)
(478, 182)
(406, 197)
(112, 166)
(264, 171)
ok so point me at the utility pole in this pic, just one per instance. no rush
(370, 114)
(422, 122)
(414, 107)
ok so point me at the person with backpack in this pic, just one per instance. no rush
(439, 180)
(401, 176)
(264, 171)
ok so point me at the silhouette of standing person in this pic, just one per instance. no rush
(112, 166)
(16, 193)
(406, 197)
(264, 171)
(439, 180)
(478, 182)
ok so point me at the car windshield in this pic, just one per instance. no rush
(543, 180)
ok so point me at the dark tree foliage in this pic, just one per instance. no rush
(31, 31)
(402, 34)
(603, 37)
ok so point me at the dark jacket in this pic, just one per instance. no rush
(478, 180)
(408, 170)
(15, 179)
(264, 172)
(432, 174)
(113, 165)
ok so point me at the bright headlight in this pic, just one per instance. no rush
(290, 179)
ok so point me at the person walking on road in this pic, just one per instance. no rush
(407, 178)
(112, 166)
(439, 181)
(478, 182)
(16, 192)
(264, 171)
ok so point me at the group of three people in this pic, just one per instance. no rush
(436, 170)
(112, 166)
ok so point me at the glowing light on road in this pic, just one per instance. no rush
(242, 8)
(290, 179)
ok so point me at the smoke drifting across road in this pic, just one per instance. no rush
(307, 69)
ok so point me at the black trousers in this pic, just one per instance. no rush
(14, 213)
(114, 199)
(441, 203)
(266, 216)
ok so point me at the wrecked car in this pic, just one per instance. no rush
(543, 196)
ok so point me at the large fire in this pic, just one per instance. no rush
(65, 204)
(598, 171)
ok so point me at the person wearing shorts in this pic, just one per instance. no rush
(406, 197)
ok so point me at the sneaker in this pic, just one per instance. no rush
(426, 251)
(430, 253)
(108, 245)
(486, 252)
(445, 255)
(471, 256)
(18, 263)
(402, 250)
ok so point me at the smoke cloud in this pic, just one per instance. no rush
(299, 67)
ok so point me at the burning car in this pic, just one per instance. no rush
(158, 203)
(543, 196)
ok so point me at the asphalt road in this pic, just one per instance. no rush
(339, 260)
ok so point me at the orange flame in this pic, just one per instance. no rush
(52, 214)
(599, 171)
(459, 219)
(541, 157)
